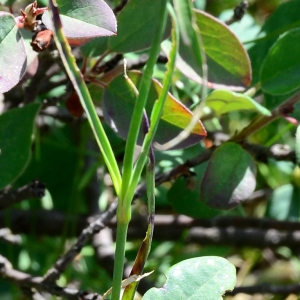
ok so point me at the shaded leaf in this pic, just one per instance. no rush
(13, 60)
(228, 62)
(118, 104)
(184, 198)
(16, 129)
(204, 278)
(84, 20)
(280, 70)
(284, 204)
(229, 178)
(137, 25)
(224, 101)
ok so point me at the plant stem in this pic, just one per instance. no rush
(119, 261)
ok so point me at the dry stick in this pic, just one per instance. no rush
(59, 267)
(34, 189)
(26, 280)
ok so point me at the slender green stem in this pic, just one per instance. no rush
(119, 261)
(144, 88)
(158, 106)
(85, 98)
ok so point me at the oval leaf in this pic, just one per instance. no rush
(16, 129)
(118, 104)
(287, 210)
(227, 60)
(224, 101)
(282, 56)
(229, 178)
(84, 20)
(202, 278)
(137, 25)
(13, 59)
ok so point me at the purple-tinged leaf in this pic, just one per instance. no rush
(13, 59)
(118, 104)
(229, 178)
(84, 20)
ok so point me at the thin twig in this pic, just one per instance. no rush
(35, 189)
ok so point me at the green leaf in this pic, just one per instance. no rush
(228, 62)
(84, 20)
(205, 278)
(284, 204)
(137, 25)
(280, 70)
(229, 178)
(184, 198)
(118, 103)
(285, 17)
(224, 101)
(13, 59)
(16, 129)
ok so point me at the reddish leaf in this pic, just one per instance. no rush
(118, 103)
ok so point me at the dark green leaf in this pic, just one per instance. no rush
(118, 103)
(205, 278)
(137, 25)
(84, 20)
(184, 197)
(229, 178)
(13, 60)
(285, 17)
(280, 70)
(224, 101)
(16, 129)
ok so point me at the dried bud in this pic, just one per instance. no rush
(41, 40)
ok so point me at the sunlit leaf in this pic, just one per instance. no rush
(204, 278)
(118, 102)
(84, 20)
(229, 178)
(227, 60)
(224, 101)
(13, 59)
(16, 129)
